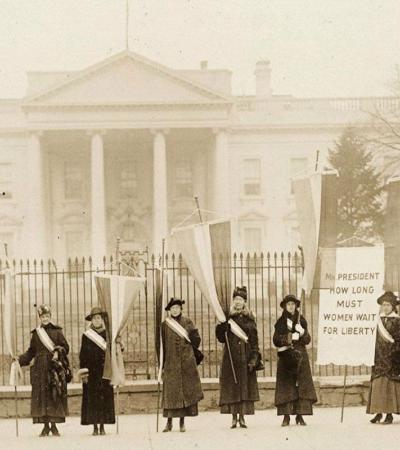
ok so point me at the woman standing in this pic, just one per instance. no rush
(384, 391)
(237, 398)
(98, 395)
(295, 393)
(181, 381)
(49, 376)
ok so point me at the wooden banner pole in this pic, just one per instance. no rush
(344, 393)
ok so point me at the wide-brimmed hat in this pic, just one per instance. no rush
(290, 298)
(240, 291)
(95, 310)
(174, 301)
(43, 309)
(388, 296)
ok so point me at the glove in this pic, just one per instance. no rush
(295, 336)
(300, 329)
(251, 366)
(224, 326)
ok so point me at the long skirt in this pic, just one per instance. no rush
(188, 411)
(299, 406)
(384, 396)
(245, 408)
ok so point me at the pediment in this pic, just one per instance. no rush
(252, 215)
(126, 79)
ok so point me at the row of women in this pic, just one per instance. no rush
(294, 395)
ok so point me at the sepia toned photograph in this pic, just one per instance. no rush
(199, 224)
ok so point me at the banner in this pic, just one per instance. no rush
(161, 299)
(391, 235)
(316, 206)
(116, 295)
(348, 312)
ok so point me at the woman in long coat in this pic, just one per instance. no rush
(98, 395)
(238, 398)
(384, 391)
(295, 392)
(181, 381)
(49, 389)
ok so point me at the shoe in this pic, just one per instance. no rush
(168, 427)
(54, 430)
(45, 431)
(102, 430)
(182, 428)
(300, 420)
(377, 418)
(95, 432)
(242, 423)
(234, 422)
(286, 420)
(388, 419)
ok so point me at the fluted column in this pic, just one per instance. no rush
(98, 206)
(221, 164)
(36, 234)
(160, 205)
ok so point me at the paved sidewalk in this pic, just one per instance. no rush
(211, 431)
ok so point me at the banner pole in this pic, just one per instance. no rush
(196, 199)
(16, 410)
(230, 357)
(117, 418)
(344, 392)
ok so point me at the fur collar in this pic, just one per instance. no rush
(245, 312)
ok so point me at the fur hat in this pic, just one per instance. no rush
(388, 296)
(240, 292)
(290, 298)
(43, 309)
(95, 310)
(174, 301)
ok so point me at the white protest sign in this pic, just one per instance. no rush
(348, 312)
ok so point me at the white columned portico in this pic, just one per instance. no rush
(221, 172)
(160, 205)
(98, 207)
(35, 223)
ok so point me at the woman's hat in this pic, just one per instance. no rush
(240, 292)
(174, 301)
(43, 309)
(95, 310)
(290, 298)
(388, 296)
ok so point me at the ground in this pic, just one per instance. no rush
(211, 431)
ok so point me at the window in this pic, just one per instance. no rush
(73, 180)
(129, 233)
(253, 239)
(252, 177)
(6, 183)
(183, 179)
(128, 180)
(297, 167)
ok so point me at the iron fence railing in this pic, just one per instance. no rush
(71, 294)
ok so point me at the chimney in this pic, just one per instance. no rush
(263, 78)
(203, 65)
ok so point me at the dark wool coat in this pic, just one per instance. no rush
(286, 389)
(98, 394)
(242, 354)
(181, 380)
(44, 407)
(386, 362)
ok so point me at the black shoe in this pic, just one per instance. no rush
(300, 420)
(102, 430)
(45, 431)
(54, 430)
(388, 419)
(377, 418)
(168, 426)
(242, 423)
(234, 422)
(286, 420)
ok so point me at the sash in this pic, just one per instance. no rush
(386, 336)
(177, 328)
(45, 339)
(289, 323)
(235, 328)
(96, 338)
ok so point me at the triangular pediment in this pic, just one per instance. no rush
(127, 78)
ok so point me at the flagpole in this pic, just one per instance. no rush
(158, 378)
(118, 258)
(344, 392)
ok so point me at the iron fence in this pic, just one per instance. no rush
(71, 293)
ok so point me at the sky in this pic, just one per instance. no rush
(317, 48)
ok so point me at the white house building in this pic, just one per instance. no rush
(121, 148)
